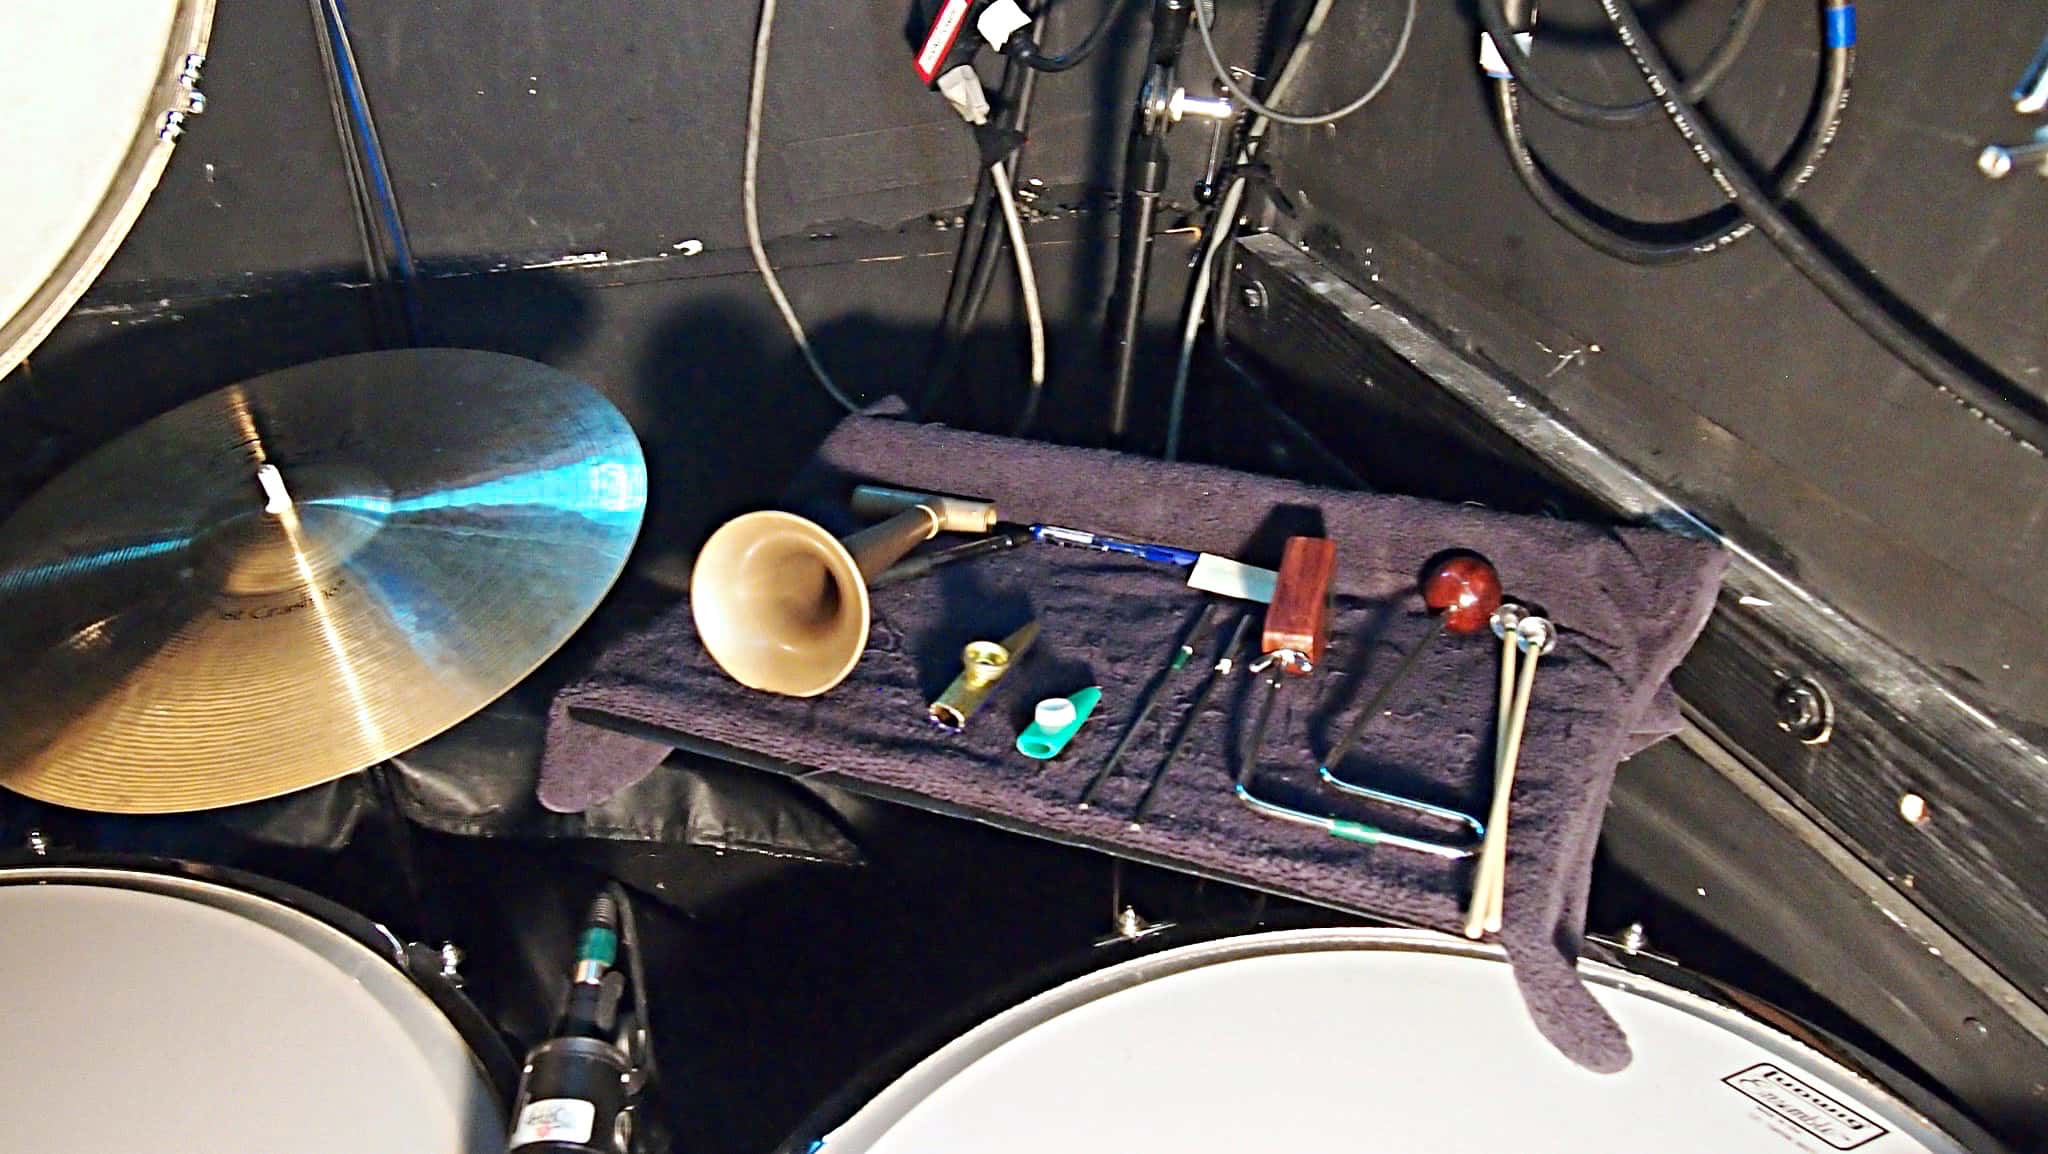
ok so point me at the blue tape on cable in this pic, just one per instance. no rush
(1842, 26)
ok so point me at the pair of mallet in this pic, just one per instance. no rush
(1527, 637)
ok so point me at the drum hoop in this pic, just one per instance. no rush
(903, 1093)
(142, 167)
(234, 890)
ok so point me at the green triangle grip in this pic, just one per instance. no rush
(1356, 831)
(1044, 744)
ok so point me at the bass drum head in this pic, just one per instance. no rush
(1367, 1040)
(84, 88)
(150, 1012)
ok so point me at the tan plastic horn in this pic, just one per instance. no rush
(782, 605)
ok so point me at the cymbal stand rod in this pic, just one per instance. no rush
(403, 846)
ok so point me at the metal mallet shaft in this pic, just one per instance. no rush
(1226, 658)
(1182, 654)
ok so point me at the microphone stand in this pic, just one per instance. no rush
(1145, 166)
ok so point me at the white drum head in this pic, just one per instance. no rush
(190, 1017)
(1365, 1040)
(83, 89)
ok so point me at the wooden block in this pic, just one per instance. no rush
(1300, 614)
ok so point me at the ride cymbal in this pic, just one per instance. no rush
(296, 577)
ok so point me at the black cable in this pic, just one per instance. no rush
(1023, 48)
(1741, 25)
(636, 972)
(979, 239)
(1504, 23)
(988, 261)
(979, 236)
(2001, 403)
(1252, 104)
(975, 274)
(945, 358)
(1702, 235)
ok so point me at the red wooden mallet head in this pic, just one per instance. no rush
(1463, 590)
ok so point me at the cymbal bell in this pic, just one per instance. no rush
(294, 578)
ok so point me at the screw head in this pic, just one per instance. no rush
(1913, 809)
(1804, 710)
(1252, 295)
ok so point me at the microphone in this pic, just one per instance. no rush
(574, 1087)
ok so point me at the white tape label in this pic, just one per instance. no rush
(999, 21)
(554, 1120)
(939, 40)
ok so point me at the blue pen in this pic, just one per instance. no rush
(1164, 553)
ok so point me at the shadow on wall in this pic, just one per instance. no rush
(723, 404)
(109, 368)
(728, 411)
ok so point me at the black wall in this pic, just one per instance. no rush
(521, 136)
(1733, 380)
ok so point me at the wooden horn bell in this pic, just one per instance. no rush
(782, 605)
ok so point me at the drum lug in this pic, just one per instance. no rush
(418, 958)
(451, 963)
(38, 844)
(1634, 938)
(1131, 926)
(1631, 941)
(188, 101)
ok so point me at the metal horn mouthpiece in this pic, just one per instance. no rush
(956, 514)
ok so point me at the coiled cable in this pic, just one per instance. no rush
(1709, 233)
(2012, 410)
